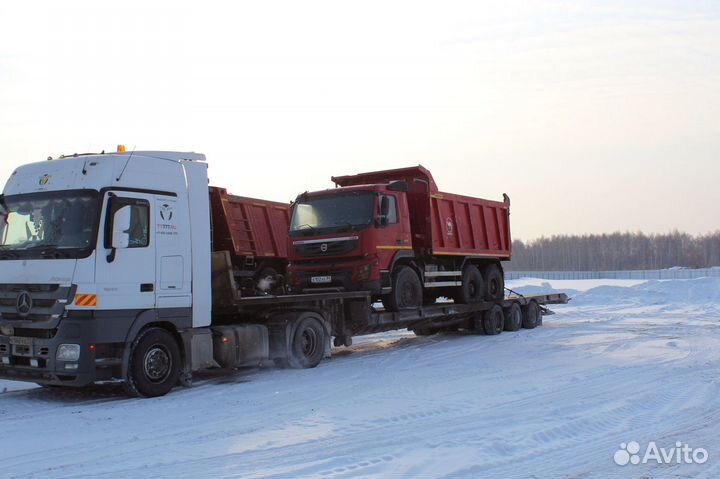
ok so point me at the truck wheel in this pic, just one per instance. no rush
(307, 346)
(155, 364)
(513, 317)
(493, 320)
(531, 312)
(494, 283)
(472, 289)
(407, 292)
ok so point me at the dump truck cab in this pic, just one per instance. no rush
(346, 238)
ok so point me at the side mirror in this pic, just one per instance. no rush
(384, 206)
(121, 227)
(382, 219)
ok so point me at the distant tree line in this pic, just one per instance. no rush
(617, 251)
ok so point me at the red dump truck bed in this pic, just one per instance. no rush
(248, 226)
(445, 223)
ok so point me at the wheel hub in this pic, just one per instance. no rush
(309, 342)
(157, 363)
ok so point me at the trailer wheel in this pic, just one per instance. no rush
(407, 291)
(155, 364)
(472, 289)
(307, 346)
(493, 320)
(494, 283)
(531, 312)
(513, 317)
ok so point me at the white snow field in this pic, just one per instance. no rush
(631, 361)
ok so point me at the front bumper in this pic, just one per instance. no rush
(29, 355)
(341, 279)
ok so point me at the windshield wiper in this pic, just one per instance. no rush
(311, 228)
(40, 246)
(349, 225)
(49, 251)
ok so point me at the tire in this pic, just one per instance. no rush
(307, 345)
(531, 313)
(494, 283)
(472, 289)
(493, 320)
(407, 291)
(155, 364)
(513, 317)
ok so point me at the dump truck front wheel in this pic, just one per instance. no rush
(407, 291)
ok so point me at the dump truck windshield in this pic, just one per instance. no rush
(332, 213)
(48, 224)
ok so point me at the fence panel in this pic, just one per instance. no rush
(637, 274)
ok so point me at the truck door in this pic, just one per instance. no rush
(394, 233)
(125, 274)
(172, 244)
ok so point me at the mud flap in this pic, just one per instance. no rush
(197, 353)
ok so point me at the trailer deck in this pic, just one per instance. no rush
(354, 313)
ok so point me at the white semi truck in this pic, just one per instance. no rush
(108, 275)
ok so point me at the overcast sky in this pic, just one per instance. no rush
(593, 116)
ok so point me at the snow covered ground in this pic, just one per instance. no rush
(624, 361)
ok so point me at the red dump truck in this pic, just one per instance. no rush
(393, 233)
(253, 233)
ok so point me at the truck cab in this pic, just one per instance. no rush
(95, 251)
(346, 238)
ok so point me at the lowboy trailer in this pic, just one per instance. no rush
(295, 330)
(114, 268)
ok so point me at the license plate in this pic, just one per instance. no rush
(320, 279)
(21, 341)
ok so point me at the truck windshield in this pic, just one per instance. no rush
(332, 213)
(48, 224)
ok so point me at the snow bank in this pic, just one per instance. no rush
(620, 363)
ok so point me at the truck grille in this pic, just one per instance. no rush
(33, 302)
(329, 248)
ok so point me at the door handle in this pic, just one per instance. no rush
(147, 287)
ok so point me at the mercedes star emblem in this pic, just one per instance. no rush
(24, 303)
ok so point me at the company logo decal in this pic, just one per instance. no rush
(323, 247)
(450, 226)
(44, 180)
(166, 212)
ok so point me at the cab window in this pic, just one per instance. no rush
(139, 231)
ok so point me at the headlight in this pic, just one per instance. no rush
(68, 352)
(363, 272)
